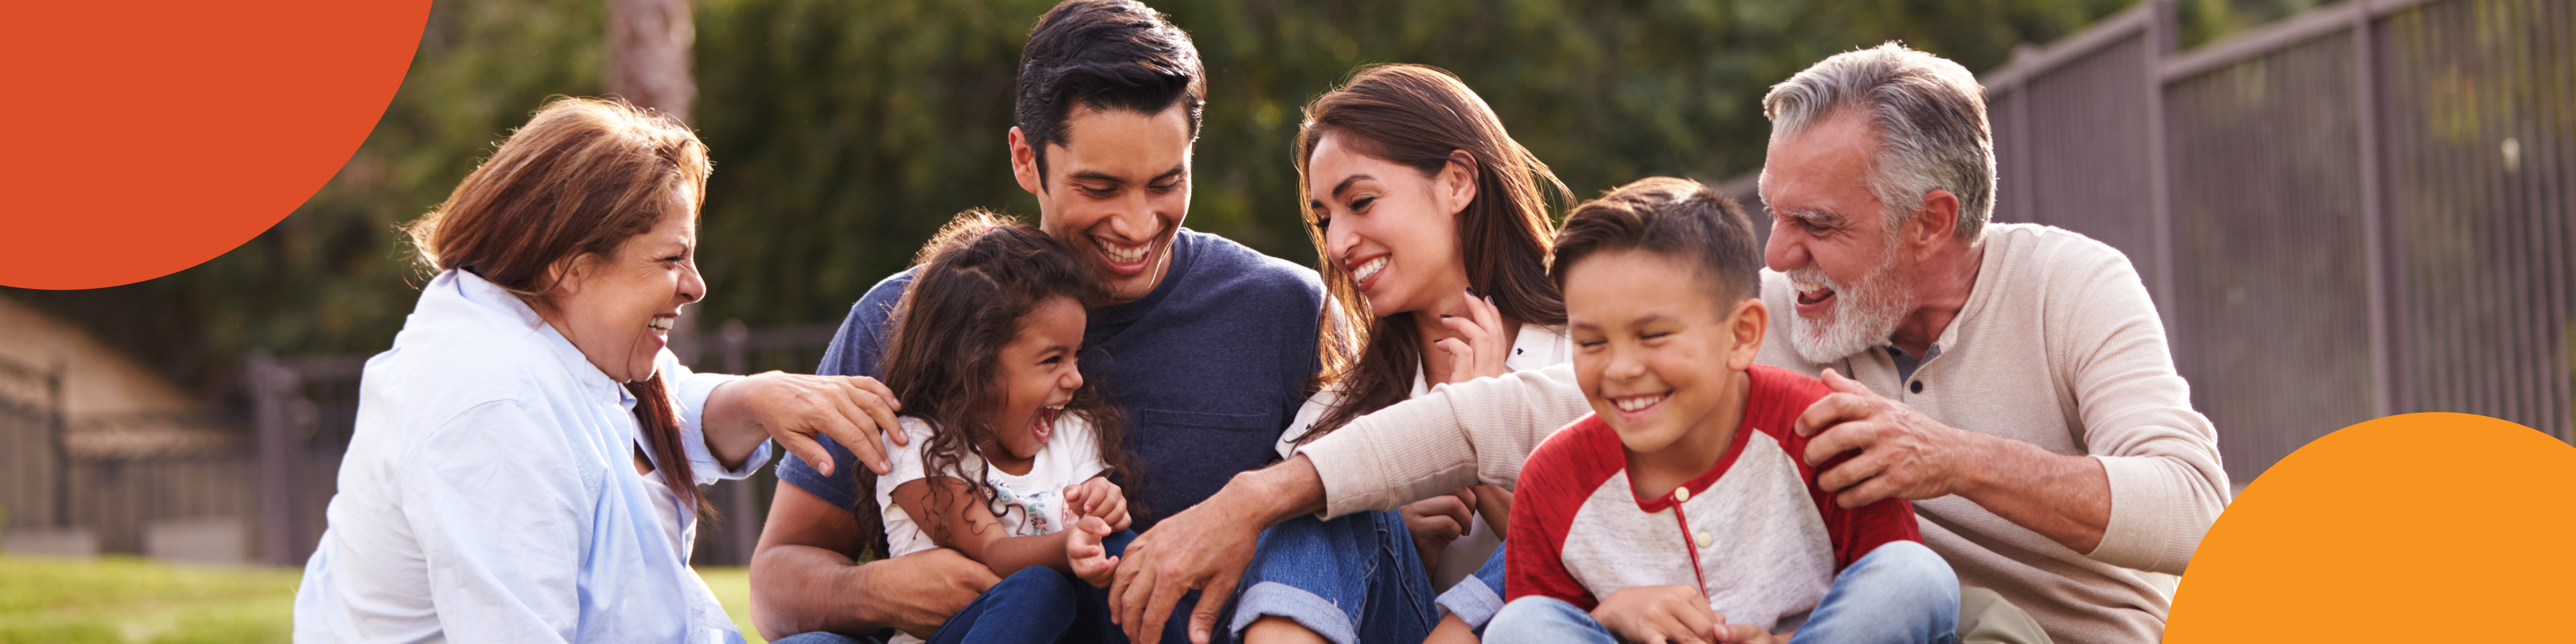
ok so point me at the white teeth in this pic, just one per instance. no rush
(661, 324)
(1362, 274)
(1807, 287)
(1633, 403)
(1122, 254)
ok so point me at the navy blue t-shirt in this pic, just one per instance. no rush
(1209, 368)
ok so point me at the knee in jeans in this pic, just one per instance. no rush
(1531, 613)
(1906, 569)
(1035, 580)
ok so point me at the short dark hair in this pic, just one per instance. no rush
(1104, 54)
(1680, 218)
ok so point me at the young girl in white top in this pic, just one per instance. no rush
(1007, 448)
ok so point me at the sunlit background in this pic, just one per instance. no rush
(2344, 211)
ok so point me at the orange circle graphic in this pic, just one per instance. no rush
(2430, 526)
(155, 135)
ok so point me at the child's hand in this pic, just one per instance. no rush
(1082, 552)
(1098, 498)
(1650, 614)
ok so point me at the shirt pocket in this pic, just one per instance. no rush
(1211, 420)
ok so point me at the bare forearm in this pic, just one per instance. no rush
(732, 432)
(2067, 498)
(1007, 555)
(802, 589)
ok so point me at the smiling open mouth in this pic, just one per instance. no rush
(1812, 293)
(1639, 402)
(1122, 255)
(1361, 274)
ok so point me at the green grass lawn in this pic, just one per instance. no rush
(127, 599)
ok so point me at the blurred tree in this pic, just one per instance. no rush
(845, 131)
(648, 54)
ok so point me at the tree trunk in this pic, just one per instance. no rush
(648, 54)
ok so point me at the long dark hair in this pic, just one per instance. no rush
(977, 282)
(583, 176)
(1416, 115)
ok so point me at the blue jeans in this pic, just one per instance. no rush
(1036, 605)
(1901, 592)
(1352, 579)
(1475, 599)
(822, 637)
(1039, 606)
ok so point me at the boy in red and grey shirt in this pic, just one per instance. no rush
(1684, 509)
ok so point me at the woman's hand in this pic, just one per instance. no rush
(1438, 521)
(794, 408)
(1482, 343)
(1659, 615)
(1097, 498)
(1084, 554)
(1750, 634)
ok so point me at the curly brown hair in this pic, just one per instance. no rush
(975, 283)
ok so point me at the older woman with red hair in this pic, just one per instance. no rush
(527, 456)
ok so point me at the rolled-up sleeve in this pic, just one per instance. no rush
(501, 523)
(2160, 455)
(690, 390)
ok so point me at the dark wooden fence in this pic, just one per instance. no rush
(32, 492)
(2367, 209)
(168, 484)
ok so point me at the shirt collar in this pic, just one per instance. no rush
(504, 309)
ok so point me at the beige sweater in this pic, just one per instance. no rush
(2058, 346)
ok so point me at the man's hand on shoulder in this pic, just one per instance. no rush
(1903, 454)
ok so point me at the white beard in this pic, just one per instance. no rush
(1864, 315)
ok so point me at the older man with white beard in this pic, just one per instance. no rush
(2011, 379)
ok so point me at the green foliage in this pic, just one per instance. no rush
(844, 132)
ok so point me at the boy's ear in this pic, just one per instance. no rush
(1747, 323)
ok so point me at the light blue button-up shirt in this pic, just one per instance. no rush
(490, 495)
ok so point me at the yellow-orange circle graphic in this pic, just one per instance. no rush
(2430, 526)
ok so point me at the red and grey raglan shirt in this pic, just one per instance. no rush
(1755, 534)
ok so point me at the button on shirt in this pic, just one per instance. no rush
(489, 493)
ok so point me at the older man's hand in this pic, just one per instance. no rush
(1903, 454)
(1204, 548)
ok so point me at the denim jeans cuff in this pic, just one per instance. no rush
(1471, 601)
(1272, 598)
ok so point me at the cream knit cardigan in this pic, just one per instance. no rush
(2058, 346)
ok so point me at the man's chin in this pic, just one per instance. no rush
(1821, 341)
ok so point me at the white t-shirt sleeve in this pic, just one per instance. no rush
(903, 537)
(1307, 415)
(1080, 445)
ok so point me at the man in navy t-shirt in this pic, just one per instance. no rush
(1209, 367)
(1207, 346)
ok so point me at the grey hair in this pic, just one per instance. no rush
(1930, 117)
